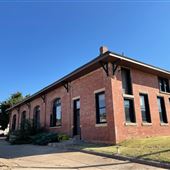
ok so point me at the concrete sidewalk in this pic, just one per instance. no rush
(21, 157)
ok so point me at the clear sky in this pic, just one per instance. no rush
(41, 41)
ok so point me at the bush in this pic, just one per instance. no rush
(62, 137)
(44, 138)
(29, 134)
(18, 139)
(23, 135)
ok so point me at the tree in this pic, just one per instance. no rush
(4, 115)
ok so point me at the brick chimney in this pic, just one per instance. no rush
(103, 49)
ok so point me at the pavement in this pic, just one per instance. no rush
(31, 157)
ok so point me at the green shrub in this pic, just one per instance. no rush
(63, 137)
(23, 135)
(29, 134)
(19, 138)
(44, 138)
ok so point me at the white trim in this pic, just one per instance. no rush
(164, 124)
(55, 127)
(130, 124)
(141, 64)
(128, 96)
(146, 124)
(162, 92)
(99, 90)
(75, 98)
(101, 125)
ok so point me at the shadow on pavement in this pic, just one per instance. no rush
(8, 151)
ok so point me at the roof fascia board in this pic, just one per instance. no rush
(65, 78)
(139, 63)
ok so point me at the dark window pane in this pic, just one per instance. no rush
(36, 119)
(102, 113)
(57, 113)
(144, 105)
(126, 81)
(23, 120)
(129, 111)
(164, 84)
(14, 122)
(162, 110)
(23, 117)
(78, 104)
(100, 108)
(101, 100)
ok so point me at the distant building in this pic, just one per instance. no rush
(107, 100)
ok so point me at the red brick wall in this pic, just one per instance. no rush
(14, 112)
(50, 97)
(115, 130)
(83, 88)
(141, 83)
(37, 102)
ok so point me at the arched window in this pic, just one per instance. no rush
(23, 119)
(56, 116)
(36, 117)
(14, 119)
(23, 116)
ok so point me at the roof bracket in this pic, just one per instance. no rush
(105, 67)
(43, 98)
(66, 86)
(115, 65)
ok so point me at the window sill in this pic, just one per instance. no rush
(162, 92)
(129, 96)
(146, 124)
(164, 124)
(130, 124)
(101, 125)
(55, 127)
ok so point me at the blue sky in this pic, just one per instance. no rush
(41, 41)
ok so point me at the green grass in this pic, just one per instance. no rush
(153, 148)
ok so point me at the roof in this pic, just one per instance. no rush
(93, 65)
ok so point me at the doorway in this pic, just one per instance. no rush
(76, 118)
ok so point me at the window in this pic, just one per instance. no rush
(76, 117)
(56, 116)
(144, 105)
(162, 110)
(23, 116)
(126, 81)
(164, 85)
(100, 108)
(23, 119)
(14, 122)
(129, 111)
(36, 118)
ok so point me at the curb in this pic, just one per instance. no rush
(126, 158)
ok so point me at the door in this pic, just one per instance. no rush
(76, 117)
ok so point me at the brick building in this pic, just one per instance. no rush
(107, 100)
